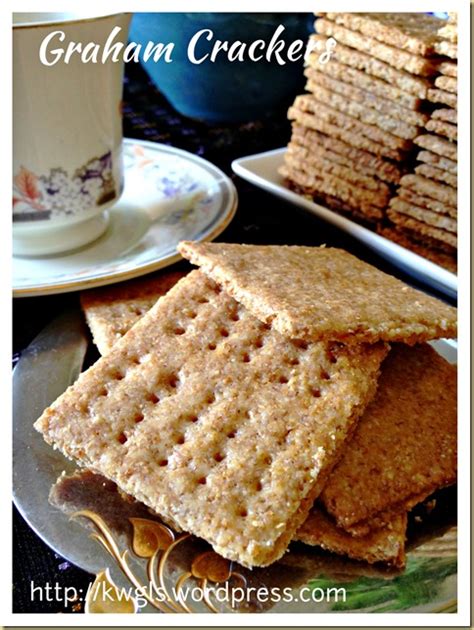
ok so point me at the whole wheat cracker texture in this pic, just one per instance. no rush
(450, 84)
(421, 227)
(368, 168)
(426, 241)
(414, 32)
(368, 217)
(329, 162)
(449, 32)
(443, 128)
(215, 421)
(423, 214)
(310, 104)
(363, 112)
(432, 172)
(366, 97)
(361, 80)
(435, 159)
(438, 145)
(447, 48)
(322, 293)
(111, 311)
(443, 259)
(400, 59)
(375, 69)
(385, 544)
(313, 185)
(446, 114)
(334, 179)
(423, 186)
(427, 202)
(328, 124)
(405, 445)
(448, 68)
(435, 95)
(361, 161)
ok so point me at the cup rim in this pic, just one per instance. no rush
(69, 18)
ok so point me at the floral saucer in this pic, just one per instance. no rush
(169, 195)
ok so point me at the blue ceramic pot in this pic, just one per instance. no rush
(223, 91)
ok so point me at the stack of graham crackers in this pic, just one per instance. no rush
(424, 212)
(354, 135)
(258, 401)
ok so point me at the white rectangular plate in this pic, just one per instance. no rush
(262, 170)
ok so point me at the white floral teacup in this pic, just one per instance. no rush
(67, 130)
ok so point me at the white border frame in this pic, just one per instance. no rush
(462, 617)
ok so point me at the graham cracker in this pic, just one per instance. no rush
(427, 202)
(359, 81)
(375, 69)
(193, 412)
(448, 68)
(332, 294)
(405, 445)
(363, 112)
(427, 241)
(443, 129)
(310, 104)
(450, 84)
(432, 172)
(443, 97)
(383, 104)
(426, 216)
(385, 544)
(423, 186)
(438, 145)
(111, 311)
(435, 159)
(342, 153)
(413, 32)
(328, 125)
(395, 57)
(421, 227)
(449, 32)
(446, 114)
(443, 259)
(352, 195)
(300, 158)
(447, 48)
(369, 217)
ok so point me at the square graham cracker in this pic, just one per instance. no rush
(382, 544)
(366, 112)
(395, 57)
(322, 293)
(216, 421)
(319, 161)
(111, 311)
(438, 174)
(413, 32)
(322, 189)
(409, 89)
(352, 135)
(409, 241)
(360, 161)
(434, 233)
(405, 445)
(311, 104)
(321, 75)
(435, 159)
